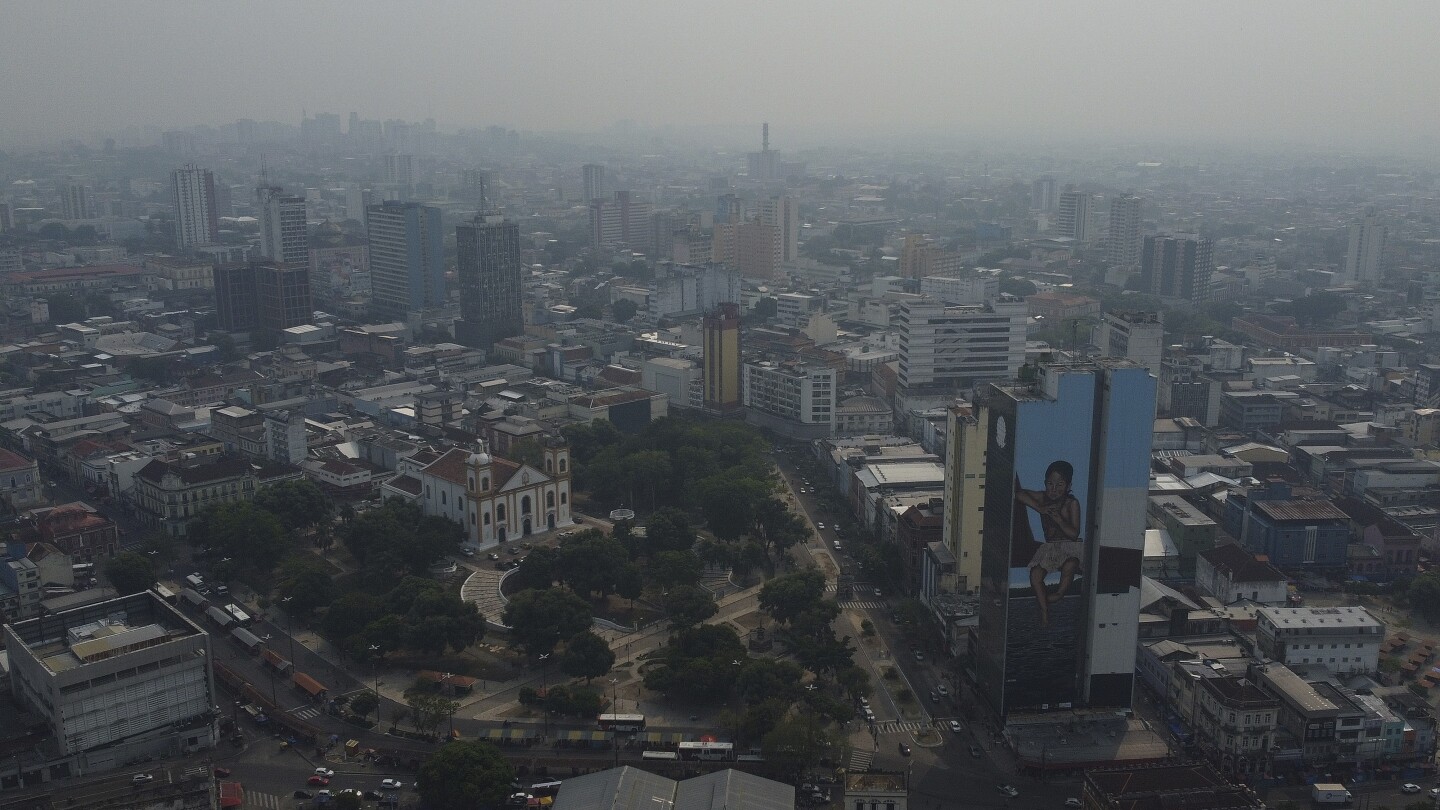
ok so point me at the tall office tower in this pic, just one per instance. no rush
(729, 208)
(407, 257)
(7, 218)
(1042, 194)
(594, 181)
(400, 172)
(75, 201)
(476, 184)
(125, 678)
(964, 521)
(1073, 217)
(265, 295)
(1123, 238)
(755, 249)
(284, 234)
(193, 191)
(1366, 250)
(1177, 266)
(783, 214)
(488, 267)
(1067, 465)
(357, 201)
(952, 348)
(721, 356)
(765, 164)
(623, 221)
(1135, 336)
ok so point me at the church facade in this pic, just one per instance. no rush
(496, 499)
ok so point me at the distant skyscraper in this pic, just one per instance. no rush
(75, 201)
(1177, 266)
(264, 295)
(284, 235)
(1073, 217)
(1067, 464)
(756, 249)
(400, 172)
(594, 181)
(476, 185)
(621, 221)
(489, 271)
(1366, 250)
(193, 191)
(765, 164)
(1135, 336)
(1042, 194)
(1124, 239)
(783, 214)
(407, 258)
(721, 353)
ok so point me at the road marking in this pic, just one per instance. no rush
(265, 800)
(896, 726)
(863, 605)
(305, 712)
(860, 759)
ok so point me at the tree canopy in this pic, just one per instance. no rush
(539, 619)
(463, 775)
(129, 572)
(250, 536)
(297, 504)
(699, 664)
(586, 656)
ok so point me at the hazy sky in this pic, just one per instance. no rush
(1328, 73)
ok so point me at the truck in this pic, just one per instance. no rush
(1332, 793)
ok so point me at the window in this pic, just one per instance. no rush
(562, 464)
(442, 497)
(499, 511)
(486, 519)
(549, 500)
(485, 483)
(563, 498)
(525, 505)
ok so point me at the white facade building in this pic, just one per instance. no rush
(1345, 639)
(284, 235)
(1366, 250)
(496, 499)
(193, 191)
(953, 347)
(1137, 336)
(975, 289)
(800, 394)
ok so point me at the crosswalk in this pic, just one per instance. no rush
(305, 712)
(832, 587)
(860, 760)
(868, 604)
(266, 800)
(898, 726)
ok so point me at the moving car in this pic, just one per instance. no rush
(1409, 787)
(304, 794)
(904, 750)
(956, 727)
(919, 656)
(837, 545)
(326, 772)
(943, 689)
(221, 773)
(141, 778)
(878, 593)
(1007, 790)
(391, 784)
(318, 780)
(1073, 802)
(820, 526)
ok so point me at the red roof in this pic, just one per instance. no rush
(13, 461)
(231, 794)
(62, 273)
(309, 684)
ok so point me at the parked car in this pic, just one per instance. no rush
(325, 772)
(1007, 790)
(221, 773)
(374, 795)
(943, 689)
(304, 794)
(492, 555)
(1409, 787)
(919, 656)
(1074, 802)
(820, 526)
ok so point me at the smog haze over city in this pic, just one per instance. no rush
(1335, 76)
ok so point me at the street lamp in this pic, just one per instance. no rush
(445, 690)
(614, 707)
(375, 670)
(544, 709)
(285, 600)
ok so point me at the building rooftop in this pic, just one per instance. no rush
(1319, 616)
(875, 781)
(1309, 511)
(1240, 565)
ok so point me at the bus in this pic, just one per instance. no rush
(246, 639)
(241, 617)
(622, 722)
(83, 570)
(692, 751)
(541, 790)
(670, 755)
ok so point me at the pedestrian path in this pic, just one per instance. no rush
(483, 588)
(868, 604)
(832, 587)
(305, 712)
(716, 580)
(265, 800)
(897, 726)
(860, 759)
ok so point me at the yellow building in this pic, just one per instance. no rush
(722, 358)
(965, 491)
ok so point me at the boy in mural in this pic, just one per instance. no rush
(1060, 522)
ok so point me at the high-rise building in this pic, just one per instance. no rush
(488, 267)
(593, 176)
(782, 213)
(264, 295)
(755, 249)
(193, 191)
(1136, 336)
(965, 491)
(793, 398)
(951, 348)
(130, 675)
(721, 355)
(284, 234)
(765, 164)
(407, 258)
(1042, 194)
(1067, 469)
(400, 172)
(1177, 266)
(622, 221)
(1072, 219)
(476, 185)
(75, 202)
(1123, 238)
(1366, 250)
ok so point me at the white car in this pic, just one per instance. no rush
(141, 778)
(391, 784)
(956, 727)
(325, 772)
(1409, 787)
(820, 526)
(1073, 802)
(943, 689)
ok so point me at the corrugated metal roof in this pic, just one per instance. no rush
(1301, 510)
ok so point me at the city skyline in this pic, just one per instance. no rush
(1218, 74)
